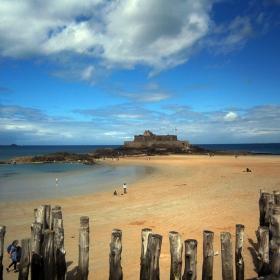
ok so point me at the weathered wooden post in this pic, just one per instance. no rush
(143, 259)
(56, 214)
(264, 207)
(268, 213)
(59, 252)
(83, 262)
(24, 260)
(226, 254)
(2, 238)
(276, 195)
(115, 272)
(153, 254)
(41, 216)
(190, 272)
(57, 223)
(176, 249)
(48, 255)
(263, 250)
(35, 246)
(48, 216)
(274, 256)
(208, 255)
(274, 244)
(274, 226)
(239, 249)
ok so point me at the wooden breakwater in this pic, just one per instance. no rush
(44, 256)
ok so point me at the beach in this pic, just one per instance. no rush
(186, 193)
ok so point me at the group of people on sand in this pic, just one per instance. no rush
(15, 253)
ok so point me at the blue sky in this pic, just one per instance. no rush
(100, 71)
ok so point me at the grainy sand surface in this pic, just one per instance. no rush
(187, 194)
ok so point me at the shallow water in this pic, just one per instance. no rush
(24, 182)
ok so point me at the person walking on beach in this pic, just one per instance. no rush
(124, 188)
(14, 255)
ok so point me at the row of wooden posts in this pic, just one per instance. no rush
(43, 255)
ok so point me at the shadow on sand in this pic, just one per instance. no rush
(253, 249)
(71, 274)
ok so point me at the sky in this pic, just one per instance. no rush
(93, 72)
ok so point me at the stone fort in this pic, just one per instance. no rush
(151, 140)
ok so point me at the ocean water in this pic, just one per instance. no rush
(9, 152)
(25, 182)
(258, 148)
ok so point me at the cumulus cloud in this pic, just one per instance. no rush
(114, 34)
(122, 34)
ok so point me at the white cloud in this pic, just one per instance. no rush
(230, 116)
(124, 33)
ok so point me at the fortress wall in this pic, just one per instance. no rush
(155, 144)
(145, 139)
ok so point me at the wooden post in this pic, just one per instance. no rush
(83, 262)
(24, 260)
(264, 207)
(57, 223)
(274, 226)
(48, 216)
(176, 249)
(115, 272)
(276, 195)
(239, 249)
(35, 246)
(56, 214)
(190, 272)
(268, 213)
(153, 254)
(2, 238)
(274, 244)
(41, 216)
(226, 254)
(208, 255)
(263, 250)
(48, 255)
(143, 259)
(59, 252)
(274, 255)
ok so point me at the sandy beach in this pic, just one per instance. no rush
(187, 194)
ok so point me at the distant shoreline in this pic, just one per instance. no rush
(56, 153)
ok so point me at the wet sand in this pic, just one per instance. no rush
(187, 194)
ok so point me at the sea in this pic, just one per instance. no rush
(26, 182)
(256, 148)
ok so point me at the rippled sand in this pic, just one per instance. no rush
(187, 194)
